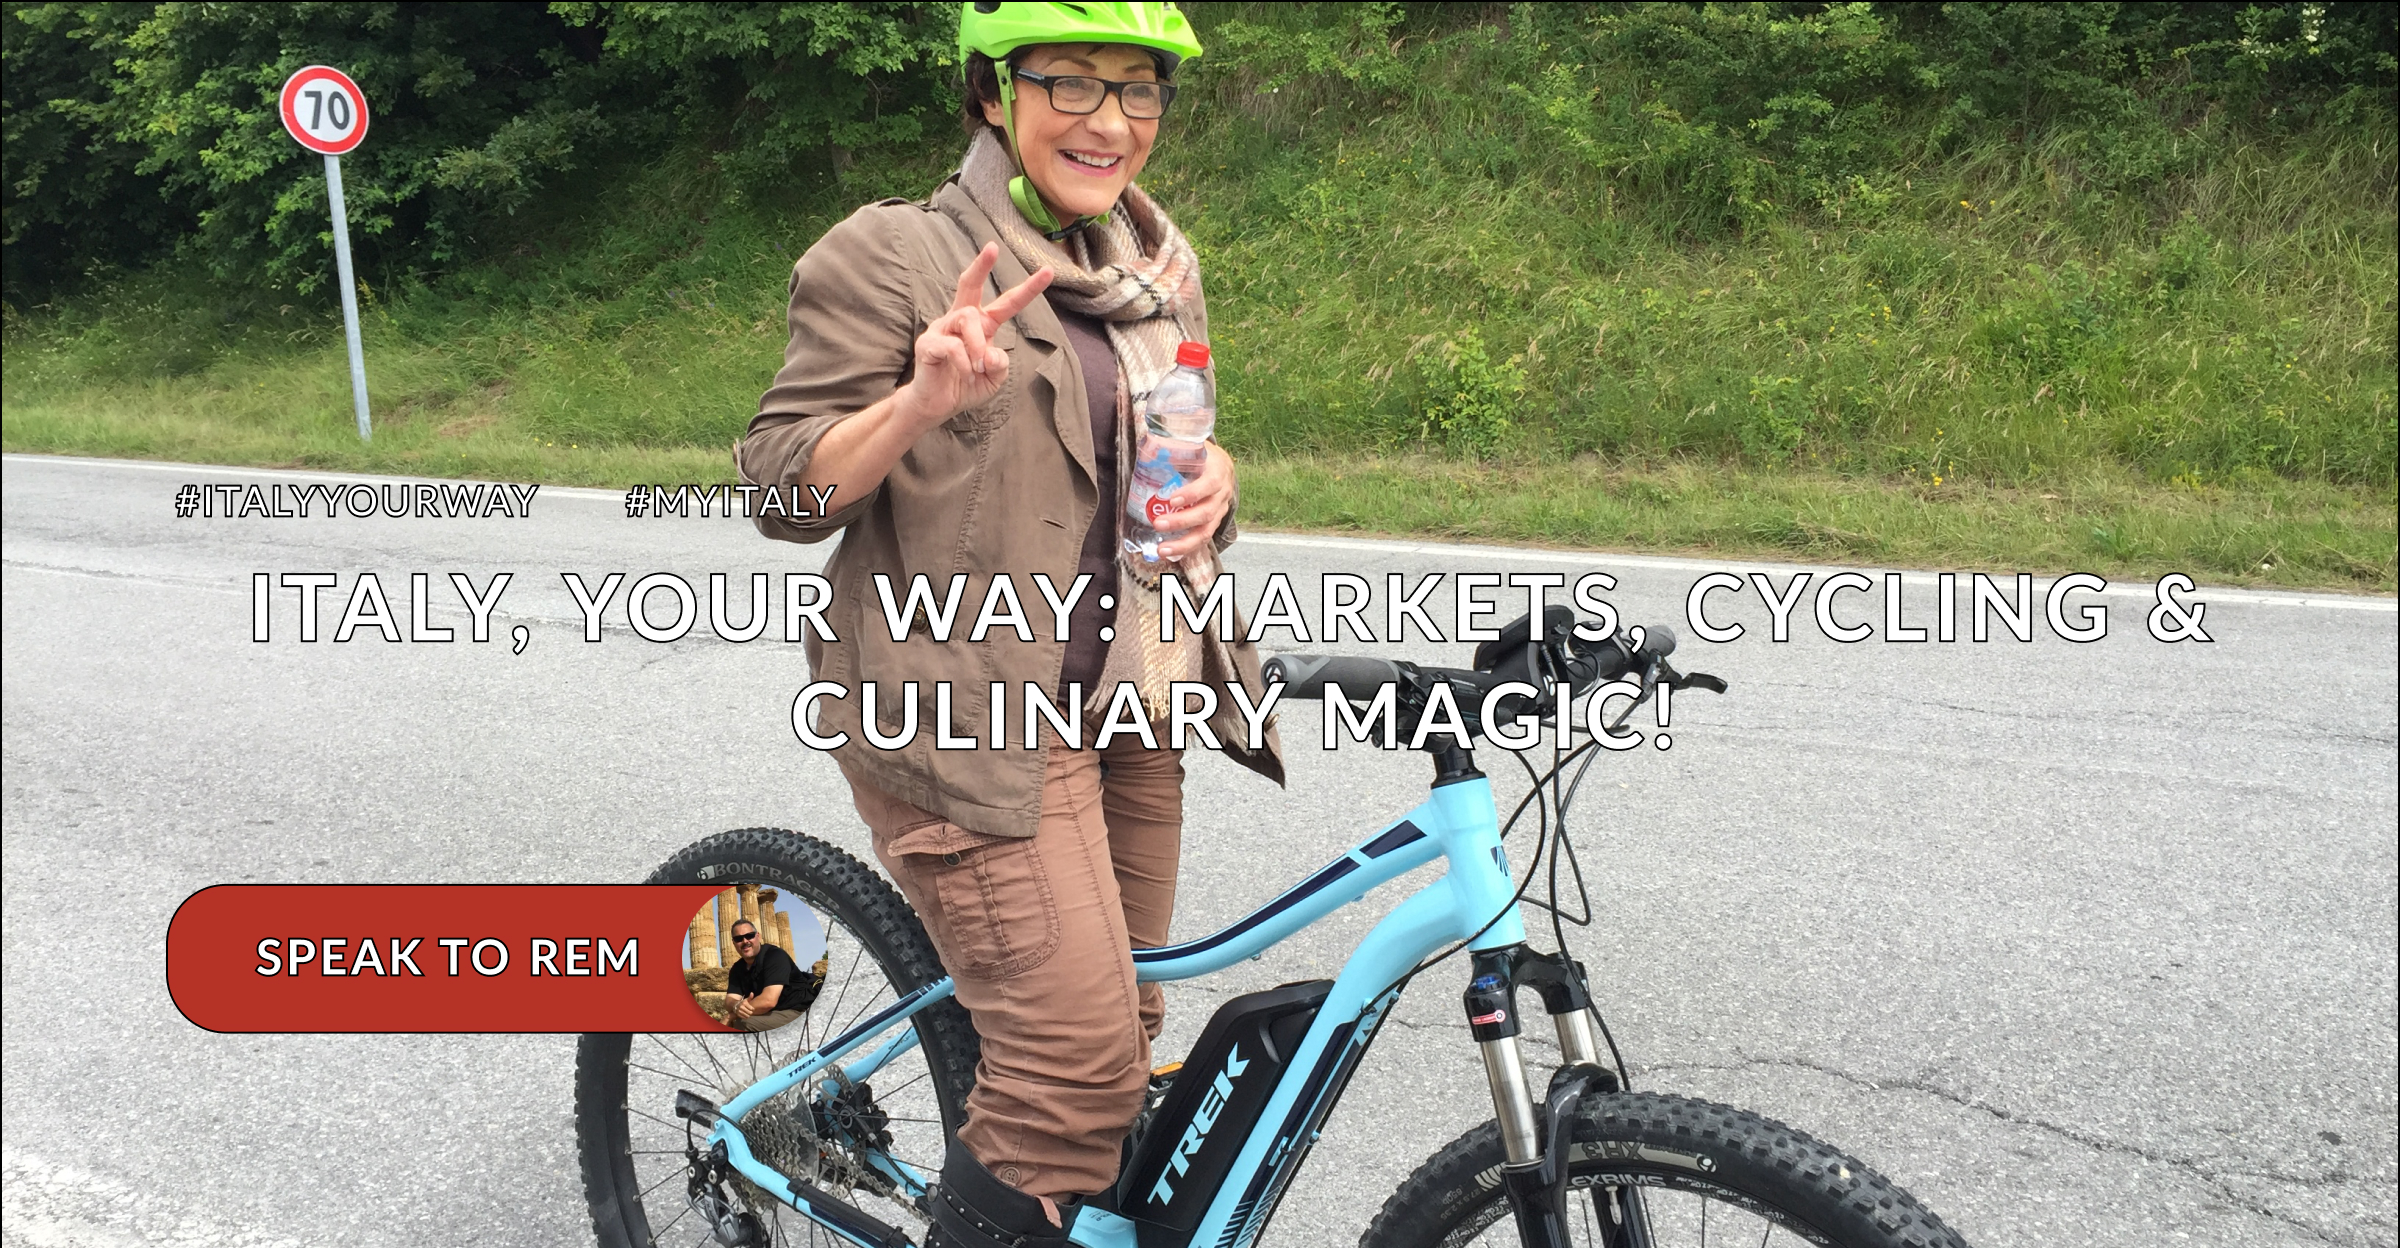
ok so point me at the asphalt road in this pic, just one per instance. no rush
(2083, 943)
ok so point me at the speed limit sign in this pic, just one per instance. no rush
(324, 110)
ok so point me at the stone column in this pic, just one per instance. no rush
(783, 933)
(729, 908)
(704, 937)
(749, 893)
(772, 923)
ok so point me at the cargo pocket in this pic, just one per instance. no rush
(986, 899)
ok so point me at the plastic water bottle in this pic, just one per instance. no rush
(1177, 418)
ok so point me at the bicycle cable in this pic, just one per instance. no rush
(1589, 752)
(1541, 838)
(1560, 801)
(1542, 834)
(1567, 843)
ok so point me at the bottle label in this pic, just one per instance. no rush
(1155, 481)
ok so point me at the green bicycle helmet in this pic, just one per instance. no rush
(997, 29)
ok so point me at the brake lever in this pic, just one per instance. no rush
(1649, 688)
(1696, 680)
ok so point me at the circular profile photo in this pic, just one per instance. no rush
(752, 964)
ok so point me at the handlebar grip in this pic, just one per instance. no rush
(1606, 660)
(1310, 675)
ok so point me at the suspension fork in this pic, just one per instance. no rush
(1536, 1150)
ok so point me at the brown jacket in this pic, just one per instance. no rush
(1009, 487)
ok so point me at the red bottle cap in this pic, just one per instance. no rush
(1192, 355)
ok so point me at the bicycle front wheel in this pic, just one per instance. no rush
(872, 1143)
(1655, 1171)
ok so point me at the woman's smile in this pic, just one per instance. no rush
(1092, 164)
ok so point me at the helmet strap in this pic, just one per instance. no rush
(1021, 191)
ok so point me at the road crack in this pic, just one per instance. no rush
(2216, 1180)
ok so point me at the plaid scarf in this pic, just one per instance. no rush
(1136, 274)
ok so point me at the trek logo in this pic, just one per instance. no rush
(1195, 1136)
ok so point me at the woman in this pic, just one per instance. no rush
(962, 375)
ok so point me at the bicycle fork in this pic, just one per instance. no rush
(1536, 1149)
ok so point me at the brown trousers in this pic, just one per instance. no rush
(1038, 932)
(768, 1021)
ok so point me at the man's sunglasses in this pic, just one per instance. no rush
(1078, 95)
(741, 938)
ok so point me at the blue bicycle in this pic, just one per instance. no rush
(831, 1130)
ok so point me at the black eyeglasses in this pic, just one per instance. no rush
(742, 939)
(1078, 95)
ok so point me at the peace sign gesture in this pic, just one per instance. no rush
(957, 365)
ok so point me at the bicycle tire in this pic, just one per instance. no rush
(1687, 1158)
(627, 1138)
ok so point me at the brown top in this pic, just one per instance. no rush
(1009, 487)
(1087, 654)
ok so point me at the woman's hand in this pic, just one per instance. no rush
(1198, 508)
(957, 365)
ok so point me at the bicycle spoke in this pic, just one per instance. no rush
(669, 1177)
(677, 1056)
(724, 1077)
(653, 1117)
(913, 1080)
(687, 1208)
(668, 1075)
(848, 977)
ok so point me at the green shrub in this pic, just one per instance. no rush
(1469, 398)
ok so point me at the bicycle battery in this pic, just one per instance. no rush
(1207, 1116)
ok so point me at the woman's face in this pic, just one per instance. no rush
(1080, 164)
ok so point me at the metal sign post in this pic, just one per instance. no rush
(327, 113)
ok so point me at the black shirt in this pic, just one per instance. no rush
(773, 966)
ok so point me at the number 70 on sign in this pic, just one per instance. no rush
(326, 113)
(318, 115)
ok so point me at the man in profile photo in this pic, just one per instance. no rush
(766, 989)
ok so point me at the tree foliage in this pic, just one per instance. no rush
(137, 132)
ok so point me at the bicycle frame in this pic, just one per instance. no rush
(1474, 901)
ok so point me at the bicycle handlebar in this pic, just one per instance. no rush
(1559, 656)
(1308, 675)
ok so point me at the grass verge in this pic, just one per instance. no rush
(2262, 530)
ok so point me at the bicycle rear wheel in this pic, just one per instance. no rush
(637, 1169)
(1655, 1171)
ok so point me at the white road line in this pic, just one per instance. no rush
(440, 611)
(163, 582)
(296, 474)
(1669, 563)
(2145, 590)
